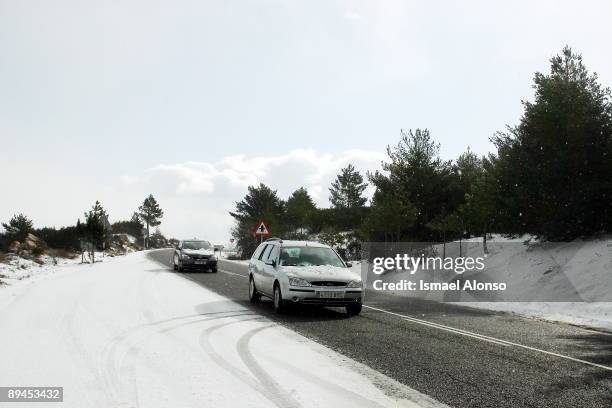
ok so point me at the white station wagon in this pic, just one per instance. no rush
(303, 272)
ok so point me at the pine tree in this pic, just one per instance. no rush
(346, 191)
(482, 203)
(415, 174)
(94, 228)
(150, 213)
(448, 225)
(299, 209)
(18, 227)
(554, 167)
(389, 218)
(469, 168)
(136, 218)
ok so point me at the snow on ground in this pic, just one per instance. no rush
(545, 280)
(239, 261)
(126, 333)
(131, 238)
(15, 268)
(560, 271)
(590, 314)
(226, 253)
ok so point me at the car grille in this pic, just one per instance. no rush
(328, 283)
(199, 256)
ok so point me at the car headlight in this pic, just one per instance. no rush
(185, 256)
(213, 258)
(354, 284)
(293, 281)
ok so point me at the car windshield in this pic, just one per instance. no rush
(309, 256)
(195, 245)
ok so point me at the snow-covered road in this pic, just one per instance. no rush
(128, 333)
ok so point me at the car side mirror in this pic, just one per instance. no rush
(348, 264)
(271, 262)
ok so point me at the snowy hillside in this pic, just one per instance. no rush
(564, 281)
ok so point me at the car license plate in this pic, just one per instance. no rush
(200, 261)
(330, 294)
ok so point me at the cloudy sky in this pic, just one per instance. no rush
(195, 100)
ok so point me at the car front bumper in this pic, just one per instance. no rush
(314, 296)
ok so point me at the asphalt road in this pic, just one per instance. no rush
(460, 356)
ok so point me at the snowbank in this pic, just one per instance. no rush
(568, 282)
(595, 314)
(577, 270)
(15, 268)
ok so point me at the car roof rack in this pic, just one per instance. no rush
(274, 239)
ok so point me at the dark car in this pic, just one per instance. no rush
(194, 255)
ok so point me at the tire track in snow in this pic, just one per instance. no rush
(259, 372)
(113, 360)
(270, 390)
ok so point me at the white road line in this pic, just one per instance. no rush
(458, 331)
(232, 273)
(491, 339)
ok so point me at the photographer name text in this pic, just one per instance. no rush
(421, 285)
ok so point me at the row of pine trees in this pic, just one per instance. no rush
(95, 227)
(550, 176)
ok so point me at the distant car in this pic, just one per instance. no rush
(194, 255)
(303, 272)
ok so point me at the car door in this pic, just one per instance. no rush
(269, 264)
(177, 253)
(254, 259)
(258, 268)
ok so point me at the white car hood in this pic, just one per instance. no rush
(325, 272)
(207, 252)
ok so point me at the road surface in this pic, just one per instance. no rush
(128, 332)
(459, 356)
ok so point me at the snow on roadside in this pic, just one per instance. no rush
(238, 261)
(14, 268)
(587, 264)
(596, 315)
(545, 270)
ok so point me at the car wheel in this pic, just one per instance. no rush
(353, 310)
(213, 270)
(279, 303)
(254, 296)
(179, 267)
(174, 263)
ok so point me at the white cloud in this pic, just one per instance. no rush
(300, 167)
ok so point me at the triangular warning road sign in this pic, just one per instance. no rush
(261, 229)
